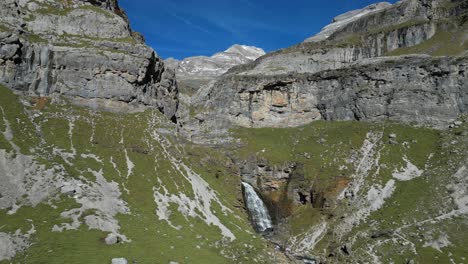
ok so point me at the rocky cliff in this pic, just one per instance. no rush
(412, 89)
(356, 141)
(345, 19)
(330, 197)
(350, 75)
(81, 49)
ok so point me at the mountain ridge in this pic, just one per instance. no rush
(354, 147)
(346, 18)
(215, 65)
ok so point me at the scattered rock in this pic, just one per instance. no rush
(119, 261)
(112, 239)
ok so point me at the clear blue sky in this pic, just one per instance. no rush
(183, 28)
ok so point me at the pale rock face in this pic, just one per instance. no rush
(12, 243)
(346, 18)
(406, 89)
(341, 78)
(82, 49)
(219, 63)
(119, 261)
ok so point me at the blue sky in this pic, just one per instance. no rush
(184, 28)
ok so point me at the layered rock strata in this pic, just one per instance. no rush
(82, 49)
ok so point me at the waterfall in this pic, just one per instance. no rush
(257, 209)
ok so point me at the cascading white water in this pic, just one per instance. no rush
(257, 209)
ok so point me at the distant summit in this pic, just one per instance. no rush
(219, 63)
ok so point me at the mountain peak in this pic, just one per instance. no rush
(250, 52)
(219, 63)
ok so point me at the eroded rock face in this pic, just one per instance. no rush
(263, 176)
(412, 89)
(81, 49)
(371, 32)
(283, 186)
(409, 89)
(346, 18)
(347, 76)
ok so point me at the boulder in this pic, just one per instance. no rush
(119, 261)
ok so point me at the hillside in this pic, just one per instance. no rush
(350, 147)
(90, 186)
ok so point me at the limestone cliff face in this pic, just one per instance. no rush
(348, 76)
(417, 89)
(371, 34)
(81, 49)
(344, 19)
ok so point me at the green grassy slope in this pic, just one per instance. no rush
(103, 141)
(417, 220)
(409, 224)
(450, 40)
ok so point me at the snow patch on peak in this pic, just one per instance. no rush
(249, 52)
(346, 18)
(216, 65)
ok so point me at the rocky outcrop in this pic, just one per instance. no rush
(419, 89)
(346, 18)
(263, 176)
(373, 32)
(344, 77)
(285, 186)
(82, 49)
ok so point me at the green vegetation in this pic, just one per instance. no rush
(349, 41)
(87, 38)
(3, 28)
(326, 154)
(78, 41)
(388, 29)
(54, 10)
(97, 10)
(443, 43)
(324, 149)
(449, 40)
(112, 138)
(36, 38)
